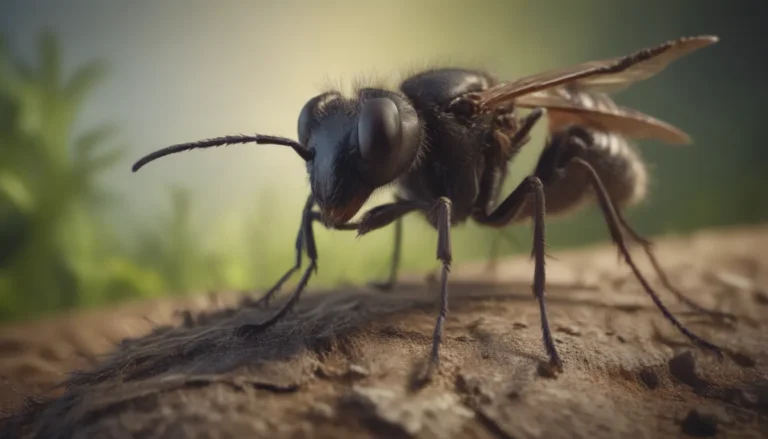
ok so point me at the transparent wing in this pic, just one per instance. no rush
(567, 106)
(602, 76)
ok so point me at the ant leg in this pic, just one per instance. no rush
(647, 248)
(522, 135)
(552, 165)
(509, 134)
(507, 212)
(314, 216)
(539, 276)
(382, 216)
(267, 297)
(495, 250)
(443, 221)
(374, 219)
(309, 241)
(611, 218)
(493, 253)
(395, 263)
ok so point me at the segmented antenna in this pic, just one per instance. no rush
(305, 153)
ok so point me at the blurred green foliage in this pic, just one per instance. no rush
(52, 253)
(56, 251)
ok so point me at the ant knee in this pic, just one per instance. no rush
(534, 182)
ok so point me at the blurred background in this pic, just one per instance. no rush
(88, 86)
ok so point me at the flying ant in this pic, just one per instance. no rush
(445, 140)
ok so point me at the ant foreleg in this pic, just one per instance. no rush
(309, 241)
(374, 219)
(267, 297)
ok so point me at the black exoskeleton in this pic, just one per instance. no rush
(445, 140)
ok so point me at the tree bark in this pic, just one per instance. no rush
(342, 364)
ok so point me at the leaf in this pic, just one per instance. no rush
(50, 60)
(92, 139)
(84, 80)
(127, 279)
(94, 165)
(16, 192)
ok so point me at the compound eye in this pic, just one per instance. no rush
(379, 132)
(309, 116)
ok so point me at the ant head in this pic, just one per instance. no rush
(351, 146)
(357, 145)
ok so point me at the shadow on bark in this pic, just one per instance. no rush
(341, 364)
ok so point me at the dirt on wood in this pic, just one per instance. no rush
(342, 365)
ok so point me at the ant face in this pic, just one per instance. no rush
(358, 145)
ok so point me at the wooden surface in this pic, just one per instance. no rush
(342, 364)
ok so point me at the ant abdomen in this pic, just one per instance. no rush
(617, 162)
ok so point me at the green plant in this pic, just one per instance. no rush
(48, 187)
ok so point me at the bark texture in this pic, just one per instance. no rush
(343, 363)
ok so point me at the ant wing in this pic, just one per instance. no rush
(567, 106)
(608, 75)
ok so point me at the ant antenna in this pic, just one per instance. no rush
(303, 152)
